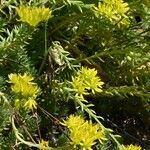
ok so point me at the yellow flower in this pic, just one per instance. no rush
(15, 78)
(85, 80)
(43, 145)
(73, 121)
(29, 90)
(92, 81)
(22, 84)
(114, 10)
(33, 15)
(30, 104)
(79, 86)
(131, 147)
(83, 133)
(17, 103)
(26, 91)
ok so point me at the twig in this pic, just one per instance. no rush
(18, 136)
(56, 121)
(126, 133)
(23, 126)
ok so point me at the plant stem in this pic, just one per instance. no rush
(93, 115)
(45, 49)
(19, 137)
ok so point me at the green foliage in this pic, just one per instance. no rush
(76, 34)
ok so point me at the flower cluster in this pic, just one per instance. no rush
(85, 80)
(131, 147)
(83, 133)
(33, 15)
(26, 91)
(43, 144)
(114, 10)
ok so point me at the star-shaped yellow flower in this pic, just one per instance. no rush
(83, 133)
(33, 15)
(85, 81)
(30, 104)
(114, 10)
(131, 147)
(43, 144)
